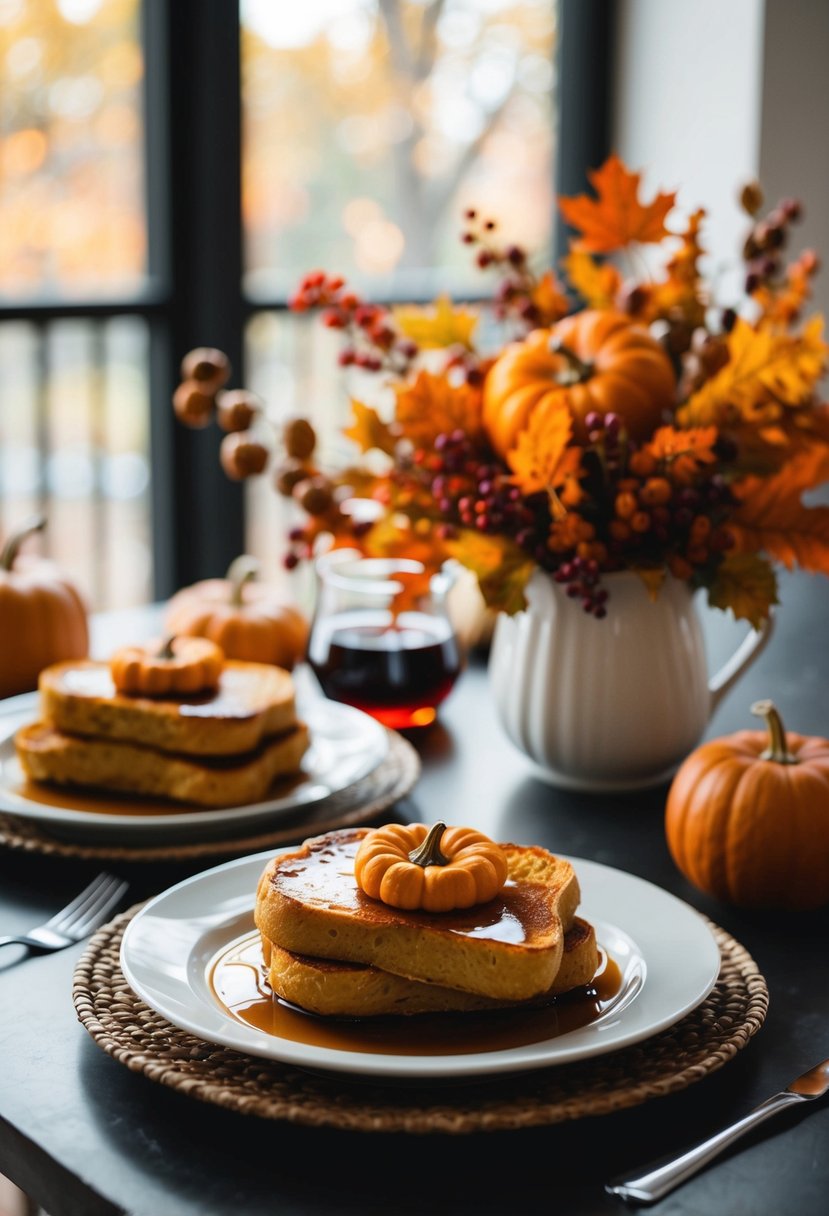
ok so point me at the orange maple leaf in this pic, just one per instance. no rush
(772, 519)
(368, 430)
(616, 217)
(682, 290)
(668, 443)
(760, 362)
(549, 299)
(431, 406)
(537, 460)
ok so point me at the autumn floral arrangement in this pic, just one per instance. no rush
(620, 420)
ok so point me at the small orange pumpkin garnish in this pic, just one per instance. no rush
(436, 869)
(177, 666)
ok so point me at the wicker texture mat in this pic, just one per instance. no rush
(361, 803)
(123, 1026)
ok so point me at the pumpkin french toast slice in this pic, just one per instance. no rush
(509, 948)
(252, 702)
(48, 755)
(355, 990)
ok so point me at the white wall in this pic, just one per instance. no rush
(794, 152)
(688, 87)
(710, 93)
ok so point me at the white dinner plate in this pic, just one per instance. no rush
(346, 746)
(667, 954)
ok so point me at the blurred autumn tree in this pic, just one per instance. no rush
(71, 165)
(370, 124)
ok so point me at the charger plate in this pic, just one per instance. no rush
(145, 1042)
(362, 802)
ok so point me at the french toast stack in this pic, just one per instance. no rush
(334, 950)
(220, 746)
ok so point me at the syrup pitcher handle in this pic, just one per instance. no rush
(751, 647)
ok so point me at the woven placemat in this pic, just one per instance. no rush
(123, 1026)
(360, 803)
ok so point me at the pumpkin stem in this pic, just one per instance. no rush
(240, 572)
(778, 748)
(577, 370)
(166, 651)
(428, 853)
(10, 550)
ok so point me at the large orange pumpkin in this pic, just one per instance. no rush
(747, 817)
(607, 362)
(248, 620)
(43, 615)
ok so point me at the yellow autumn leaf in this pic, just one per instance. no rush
(536, 460)
(500, 566)
(549, 299)
(597, 283)
(368, 430)
(653, 577)
(760, 361)
(437, 325)
(744, 583)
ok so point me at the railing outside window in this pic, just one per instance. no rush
(169, 170)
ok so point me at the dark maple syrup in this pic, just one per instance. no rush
(399, 673)
(239, 982)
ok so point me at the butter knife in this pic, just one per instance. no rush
(664, 1176)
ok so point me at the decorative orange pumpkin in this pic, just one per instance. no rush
(248, 620)
(175, 667)
(43, 615)
(607, 362)
(747, 817)
(436, 869)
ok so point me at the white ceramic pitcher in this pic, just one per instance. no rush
(611, 704)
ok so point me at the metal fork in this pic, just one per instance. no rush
(86, 913)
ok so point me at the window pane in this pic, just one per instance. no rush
(74, 420)
(370, 125)
(71, 149)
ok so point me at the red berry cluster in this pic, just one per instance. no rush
(581, 576)
(373, 343)
(469, 489)
(513, 297)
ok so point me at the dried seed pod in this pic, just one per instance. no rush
(192, 405)
(209, 366)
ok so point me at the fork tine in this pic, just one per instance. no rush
(97, 914)
(79, 901)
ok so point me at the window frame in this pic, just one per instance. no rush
(195, 294)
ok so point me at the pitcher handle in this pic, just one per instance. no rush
(751, 647)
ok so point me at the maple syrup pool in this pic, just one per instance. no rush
(238, 979)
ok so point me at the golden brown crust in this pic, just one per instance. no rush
(335, 989)
(49, 755)
(510, 948)
(253, 701)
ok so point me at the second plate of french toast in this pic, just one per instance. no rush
(182, 744)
